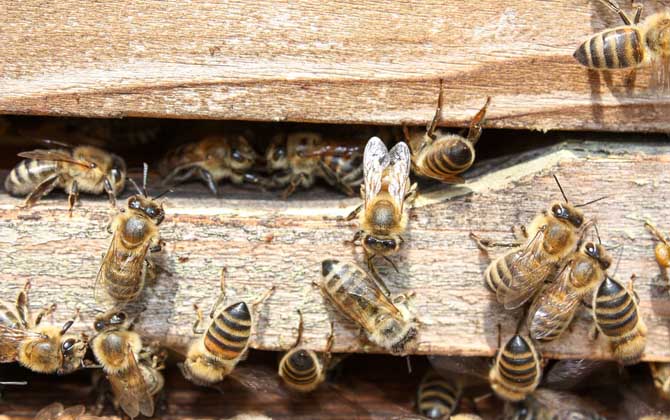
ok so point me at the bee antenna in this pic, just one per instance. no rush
(409, 364)
(137, 187)
(560, 188)
(618, 260)
(595, 227)
(145, 177)
(169, 190)
(592, 201)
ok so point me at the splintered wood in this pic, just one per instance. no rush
(364, 62)
(263, 241)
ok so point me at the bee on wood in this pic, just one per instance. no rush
(437, 397)
(82, 168)
(617, 317)
(215, 355)
(386, 190)
(517, 369)
(56, 411)
(631, 46)
(40, 348)
(660, 372)
(387, 321)
(298, 159)
(440, 155)
(118, 349)
(555, 305)
(304, 370)
(212, 160)
(661, 251)
(551, 239)
(125, 266)
(546, 404)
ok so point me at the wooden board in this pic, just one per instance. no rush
(366, 61)
(264, 241)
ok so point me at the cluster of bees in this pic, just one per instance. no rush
(549, 273)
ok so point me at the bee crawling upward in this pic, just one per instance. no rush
(437, 397)
(383, 215)
(125, 265)
(40, 348)
(517, 369)
(82, 168)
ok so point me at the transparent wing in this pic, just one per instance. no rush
(50, 412)
(660, 75)
(398, 173)
(72, 413)
(375, 160)
(130, 390)
(554, 307)
(10, 339)
(55, 156)
(131, 262)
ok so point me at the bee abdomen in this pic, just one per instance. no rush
(498, 274)
(120, 283)
(613, 49)
(517, 363)
(300, 368)
(437, 398)
(447, 158)
(229, 332)
(615, 309)
(27, 175)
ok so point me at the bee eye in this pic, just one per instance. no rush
(237, 156)
(151, 211)
(134, 203)
(118, 318)
(389, 243)
(99, 325)
(279, 153)
(68, 345)
(116, 174)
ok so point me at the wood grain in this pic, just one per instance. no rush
(263, 241)
(366, 61)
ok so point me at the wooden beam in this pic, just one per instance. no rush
(264, 241)
(341, 62)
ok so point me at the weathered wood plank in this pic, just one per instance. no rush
(367, 62)
(264, 241)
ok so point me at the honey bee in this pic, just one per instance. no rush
(660, 372)
(387, 321)
(631, 46)
(517, 369)
(385, 192)
(552, 237)
(616, 316)
(546, 404)
(125, 266)
(213, 357)
(440, 155)
(297, 159)
(661, 251)
(40, 348)
(83, 168)
(554, 307)
(118, 349)
(437, 397)
(212, 160)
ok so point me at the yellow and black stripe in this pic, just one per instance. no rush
(299, 369)
(27, 175)
(499, 274)
(437, 397)
(612, 49)
(447, 157)
(518, 364)
(229, 332)
(615, 310)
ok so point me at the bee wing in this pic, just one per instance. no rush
(366, 294)
(55, 156)
(130, 389)
(660, 79)
(72, 413)
(132, 263)
(50, 412)
(375, 159)
(562, 298)
(399, 166)
(10, 339)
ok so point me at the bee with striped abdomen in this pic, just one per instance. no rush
(437, 397)
(212, 160)
(617, 317)
(126, 266)
(440, 155)
(387, 321)
(40, 348)
(635, 44)
(298, 159)
(303, 370)
(213, 357)
(555, 305)
(661, 251)
(517, 369)
(82, 168)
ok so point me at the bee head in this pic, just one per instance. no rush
(110, 320)
(73, 350)
(117, 174)
(381, 245)
(276, 154)
(598, 253)
(148, 207)
(569, 213)
(658, 35)
(242, 155)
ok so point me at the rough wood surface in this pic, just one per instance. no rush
(365, 61)
(264, 241)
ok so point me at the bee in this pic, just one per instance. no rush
(56, 411)
(387, 321)
(660, 372)
(631, 46)
(552, 237)
(440, 155)
(517, 369)
(437, 397)
(297, 159)
(40, 348)
(303, 370)
(661, 251)
(554, 306)
(82, 168)
(117, 349)
(546, 404)
(212, 160)
(213, 357)
(616, 316)
(125, 266)
(383, 218)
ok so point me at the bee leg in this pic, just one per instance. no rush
(333, 178)
(638, 12)
(411, 195)
(198, 320)
(293, 184)
(327, 355)
(262, 298)
(110, 192)
(616, 9)
(629, 80)
(69, 323)
(47, 310)
(631, 287)
(357, 236)
(594, 333)
(485, 244)
(300, 330)
(430, 130)
(40, 191)
(208, 179)
(73, 196)
(22, 305)
(475, 129)
(354, 213)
